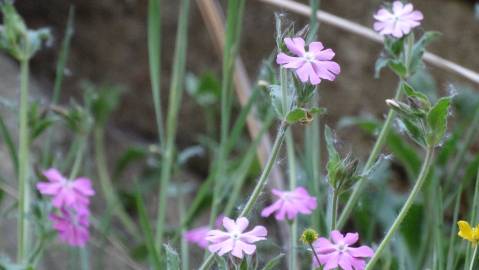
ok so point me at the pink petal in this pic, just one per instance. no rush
(258, 233)
(351, 238)
(332, 262)
(83, 185)
(289, 61)
(229, 224)
(382, 15)
(358, 264)
(49, 188)
(242, 223)
(295, 45)
(415, 16)
(306, 72)
(345, 262)
(315, 47)
(337, 237)
(397, 7)
(362, 251)
(53, 175)
(323, 246)
(267, 211)
(327, 54)
(216, 236)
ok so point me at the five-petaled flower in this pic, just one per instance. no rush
(467, 232)
(290, 203)
(71, 227)
(235, 240)
(66, 193)
(312, 65)
(397, 22)
(339, 253)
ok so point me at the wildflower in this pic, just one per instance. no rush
(339, 253)
(290, 203)
(309, 236)
(467, 232)
(399, 22)
(72, 226)
(66, 193)
(235, 240)
(312, 65)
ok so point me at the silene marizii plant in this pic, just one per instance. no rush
(342, 226)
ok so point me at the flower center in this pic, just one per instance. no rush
(342, 247)
(235, 235)
(309, 56)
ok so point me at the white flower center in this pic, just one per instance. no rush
(342, 247)
(309, 56)
(235, 235)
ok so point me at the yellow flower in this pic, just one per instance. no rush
(467, 232)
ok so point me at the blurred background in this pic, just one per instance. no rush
(109, 47)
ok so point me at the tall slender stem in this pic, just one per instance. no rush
(154, 59)
(334, 212)
(471, 265)
(381, 140)
(23, 168)
(407, 205)
(176, 92)
(233, 29)
(106, 185)
(260, 184)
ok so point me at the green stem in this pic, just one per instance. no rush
(233, 29)
(314, 253)
(475, 203)
(78, 159)
(176, 91)
(260, 184)
(108, 190)
(407, 205)
(23, 173)
(292, 186)
(471, 265)
(381, 140)
(334, 212)
(154, 59)
(452, 234)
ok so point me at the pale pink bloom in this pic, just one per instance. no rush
(72, 227)
(66, 193)
(290, 203)
(312, 65)
(339, 253)
(234, 239)
(397, 22)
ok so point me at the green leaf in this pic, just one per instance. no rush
(437, 120)
(334, 161)
(414, 131)
(420, 47)
(172, 258)
(411, 92)
(296, 115)
(398, 68)
(381, 63)
(271, 264)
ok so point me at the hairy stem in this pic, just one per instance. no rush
(407, 205)
(23, 166)
(176, 91)
(260, 184)
(381, 140)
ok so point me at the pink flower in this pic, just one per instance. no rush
(313, 65)
(235, 240)
(398, 23)
(290, 203)
(339, 253)
(72, 227)
(66, 193)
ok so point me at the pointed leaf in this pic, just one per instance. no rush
(437, 120)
